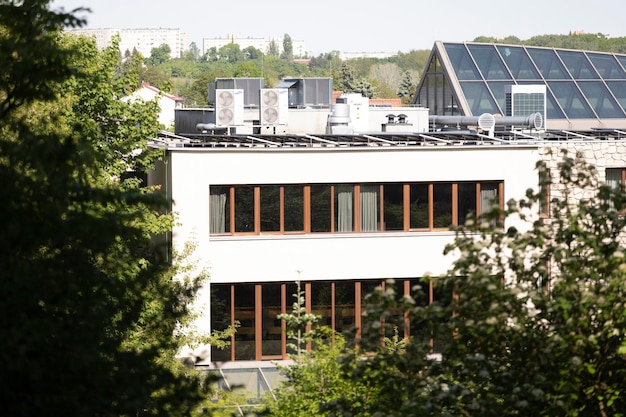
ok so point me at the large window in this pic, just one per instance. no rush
(348, 208)
(339, 304)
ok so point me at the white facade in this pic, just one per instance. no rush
(329, 256)
(141, 40)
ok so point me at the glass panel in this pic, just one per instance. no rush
(270, 208)
(418, 329)
(441, 338)
(478, 98)
(293, 211)
(344, 208)
(571, 100)
(618, 88)
(271, 325)
(321, 302)
(489, 62)
(600, 99)
(489, 197)
(220, 317)
(607, 66)
(219, 209)
(393, 206)
(519, 63)
(320, 208)
(461, 62)
(367, 287)
(442, 205)
(614, 178)
(419, 206)
(344, 306)
(497, 90)
(370, 197)
(244, 209)
(578, 65)
(548, 63)
(467, 201)
(622, 60)
(244, 313)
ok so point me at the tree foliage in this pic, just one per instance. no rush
(537, 322)
(90, 308)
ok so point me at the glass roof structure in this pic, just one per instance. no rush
(584, 90)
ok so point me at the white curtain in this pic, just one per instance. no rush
(488, 197)
(344, 208)
(369, 208)
(217, 210)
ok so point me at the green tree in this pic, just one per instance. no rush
(193, 54)
(272, 48)
(406, 90)
(230, 53)
(287, 48)
(90, 309)
(537, 320)
(159, 55)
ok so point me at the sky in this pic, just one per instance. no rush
(358, 25)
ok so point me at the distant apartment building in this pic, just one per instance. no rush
(140, 40)
(261, 44)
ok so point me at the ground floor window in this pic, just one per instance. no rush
(261, 335)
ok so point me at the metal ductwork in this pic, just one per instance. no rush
(532, 121)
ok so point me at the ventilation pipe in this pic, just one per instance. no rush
(532, 121)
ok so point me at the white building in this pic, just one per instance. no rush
(141, 40)
(168, 103)
(261, 44)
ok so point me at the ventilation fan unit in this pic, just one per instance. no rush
(228, 107)
(274, 106)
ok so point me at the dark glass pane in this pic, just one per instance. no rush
(321, 302)
(461, 62)
(244, 209)
(489, 62)
(578, 65)
(344, 305)
(419, 206)
(244, 313)
(467, 201)
(367, 287)
(271, 325)
(270, 208)
(548, 63)
(497, 89)
(320, 208)
(622, 60)
(442, 205)
(294, 208)
(419, 330)
(618, 88)
(519, 63)
(571, 100)
(220, 318)
(393, 206)
(479, 98)
(291, 298)
(443, 335)
(219, 209)
(607, 66)
(600, 99)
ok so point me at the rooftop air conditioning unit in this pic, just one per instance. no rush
(229, 107)
(274, 106)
